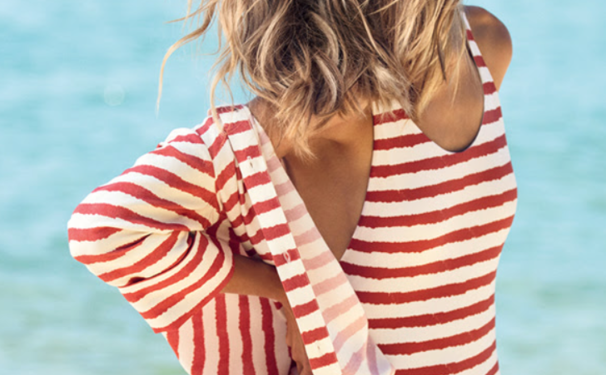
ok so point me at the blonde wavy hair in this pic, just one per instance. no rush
(318, 57)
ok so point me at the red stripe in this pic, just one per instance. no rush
(256, 238)
(489, 88)
(235, 225)
(231, 202)
(257, 179)
(314, 335)
(244, 327)
(267, 257)
(427, 320)
(217, 145)
(197, 163)
(118, 212)
(469, 35)
(237, 244)
(452, 368)
(460, 235)
(250, 151)
(389, 116)
(325, 360)
(444, 291)
(266, 206)
(280, 260)
(199, 355)
(430, 191)
(440, 162)
(188, 138)
(403, 141)
(153, 200)
(276, 231)
(237, 127)
(206, 124)
(223, 338)
(175, 182)
(480, 63)
(90, 234)
(464, 338)
(492, 116)
(305, 309)
(439, 216)
(243, 238)
(295, 282)
(154, 256)
(270, 338)
(173, 340)
(381, 273)
(225, 175)
(228, 108)
(250, 215)
(494, 369)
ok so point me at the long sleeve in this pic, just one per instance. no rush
(146, 232)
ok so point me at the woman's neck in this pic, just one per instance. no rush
(339, 132)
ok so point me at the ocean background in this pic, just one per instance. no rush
(78, 84)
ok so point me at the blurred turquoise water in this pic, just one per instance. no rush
(78, 85)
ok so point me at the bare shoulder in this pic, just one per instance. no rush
(493, 39)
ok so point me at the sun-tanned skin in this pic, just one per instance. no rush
(333, 186)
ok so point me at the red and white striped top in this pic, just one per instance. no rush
(413, 293)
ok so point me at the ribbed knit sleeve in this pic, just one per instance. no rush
(148, 232)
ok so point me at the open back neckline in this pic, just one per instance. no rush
(376, 111)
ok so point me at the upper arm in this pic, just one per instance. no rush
(493, 39)
(170, 189)
(144, 232)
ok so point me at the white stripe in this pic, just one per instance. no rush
(257, 337)
(448, 355)
(483, 367)
(439, 253)
(438, 331)
(211, 338)
(436, 230)
(233, 332)
(422, 282)
(444, 201)
(153, 213)
(186, 349)
(431, 306)
(428, 150)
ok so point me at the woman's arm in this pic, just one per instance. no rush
(145, 232)
(253, 277)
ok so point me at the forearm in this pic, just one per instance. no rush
(255, 278)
